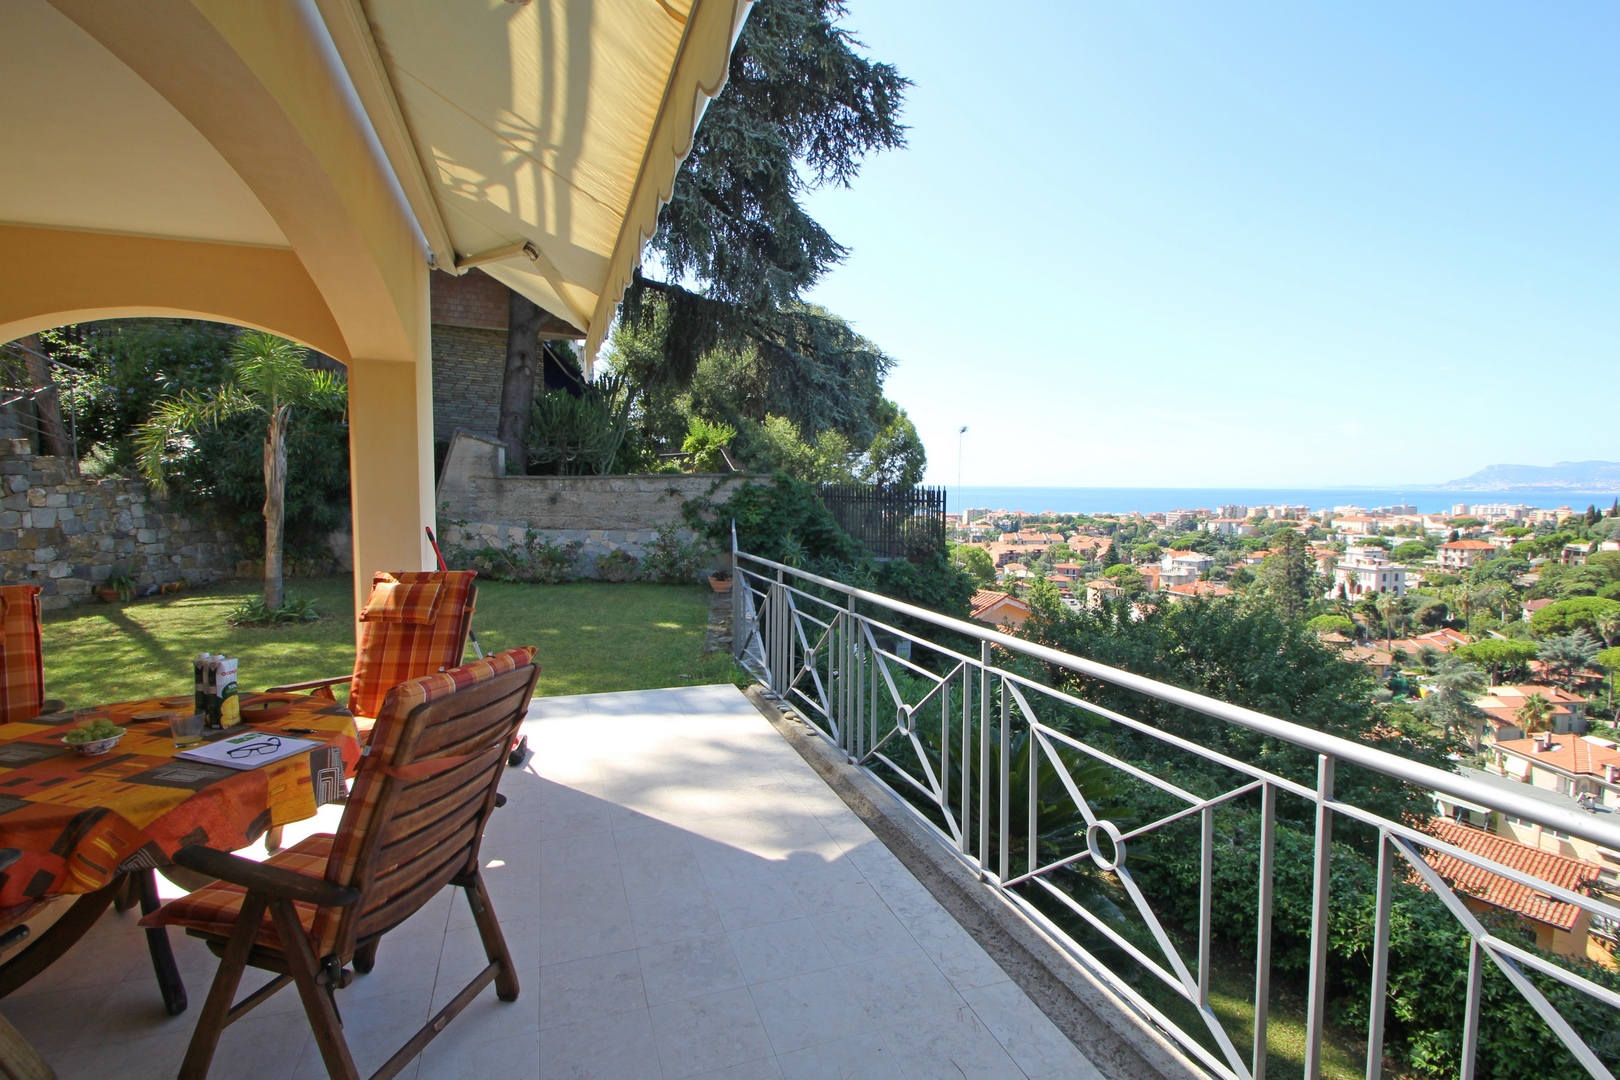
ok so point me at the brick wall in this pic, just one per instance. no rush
(67, 534)
(468, 365)
(473, 300)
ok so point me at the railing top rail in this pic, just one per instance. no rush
(1346, 750)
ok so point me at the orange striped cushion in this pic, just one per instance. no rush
(22, 671)
(214, 908)
(393, 650)
(394, 599)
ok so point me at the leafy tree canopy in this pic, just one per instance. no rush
(1567, 616)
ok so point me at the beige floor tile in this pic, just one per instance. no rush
(690, 968)
(620, 1046)
(857, 1057)
(703, 1034)
(805, 1010)
(777, 950)
(590, 988)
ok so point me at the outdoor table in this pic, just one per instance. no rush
(96, 826)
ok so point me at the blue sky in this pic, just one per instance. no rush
(1243, 244)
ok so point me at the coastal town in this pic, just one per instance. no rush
(1495, 625)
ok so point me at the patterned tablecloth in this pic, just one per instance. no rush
(80, 820)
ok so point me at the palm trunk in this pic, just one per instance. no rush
(275, 503)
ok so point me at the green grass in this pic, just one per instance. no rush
(1231, 995)
(592, 638)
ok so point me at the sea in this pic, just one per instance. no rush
(1147, 500)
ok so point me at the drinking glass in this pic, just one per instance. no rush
(187, 730)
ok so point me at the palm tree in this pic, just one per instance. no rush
(268, 378)
(1535, 714)
(1607, 624)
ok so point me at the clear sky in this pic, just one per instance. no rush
(1246, 244)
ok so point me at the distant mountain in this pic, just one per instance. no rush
(1588, 476)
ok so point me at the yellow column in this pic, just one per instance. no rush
(391, 459)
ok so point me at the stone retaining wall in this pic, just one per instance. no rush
(481, 506)
(68, 534)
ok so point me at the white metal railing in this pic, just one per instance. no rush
(938, 725)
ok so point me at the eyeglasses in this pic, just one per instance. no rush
(268, 745)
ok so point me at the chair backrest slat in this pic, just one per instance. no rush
(404, 837)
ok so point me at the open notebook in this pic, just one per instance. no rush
(248, 750)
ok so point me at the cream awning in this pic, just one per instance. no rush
(538, 140)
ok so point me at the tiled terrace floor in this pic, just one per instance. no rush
(684, 897)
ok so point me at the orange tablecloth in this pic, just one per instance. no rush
(79, 820)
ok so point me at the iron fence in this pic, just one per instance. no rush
(893, 523)
(1022, 782)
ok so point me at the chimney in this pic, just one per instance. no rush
(1612, 773)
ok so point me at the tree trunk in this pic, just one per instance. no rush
(275, 504)
(53, 437)
(523, 320)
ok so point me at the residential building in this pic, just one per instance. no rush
(1381, 661)
(1364, 571)
(1527, 832)
(1356, 525)
(1530, 607)
(1575, 554)
(1230, 526)
(1464, 554)
(1068, 571)
(1502, 704)
(1101, 591)
(1196, 588)
(999, 609)
(1233, 510)
(1560, 928)
(1585, 768)
(1179, 517)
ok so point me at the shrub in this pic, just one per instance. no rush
(253, 612)
(533, 559)
(673, 561)
(618, 565)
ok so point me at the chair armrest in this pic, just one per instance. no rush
(257, 877)
(314, 684)
(8, 855)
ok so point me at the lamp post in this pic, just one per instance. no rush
(960, 432)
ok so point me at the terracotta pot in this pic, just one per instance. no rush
(720, 585)
(108, 596)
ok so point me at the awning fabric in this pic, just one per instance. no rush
(559, 124)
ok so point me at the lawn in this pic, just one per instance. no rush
(592, 638)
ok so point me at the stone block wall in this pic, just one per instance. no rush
(468, 366)
(481, 506)
(68, 534)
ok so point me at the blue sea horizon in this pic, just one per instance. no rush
(1101, 500)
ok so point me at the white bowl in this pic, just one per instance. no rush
(98, 746)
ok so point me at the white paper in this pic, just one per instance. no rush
(249, 750)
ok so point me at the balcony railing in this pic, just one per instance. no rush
(1049, 797)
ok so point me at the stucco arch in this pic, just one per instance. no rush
(63, 276)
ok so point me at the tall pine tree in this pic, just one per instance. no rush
(800, 109)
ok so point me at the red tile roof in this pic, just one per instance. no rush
(1498, 891)
(986, 600)
(1570, 753)
(1470, 545)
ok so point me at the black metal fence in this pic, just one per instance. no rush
(893, 523)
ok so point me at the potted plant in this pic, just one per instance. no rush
(118, 588)
(720, 581)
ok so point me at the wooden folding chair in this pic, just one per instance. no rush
(415, 623)
(413, 825)
(22, 660)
